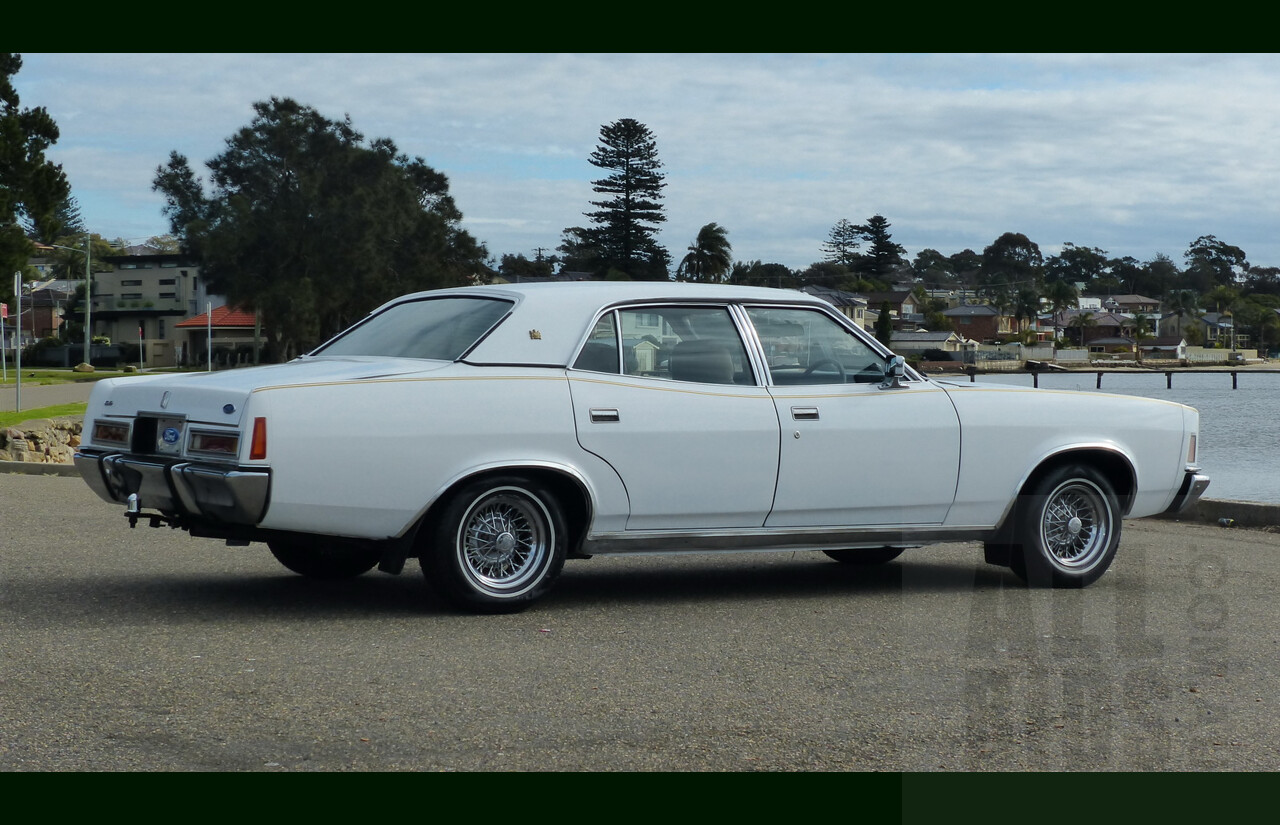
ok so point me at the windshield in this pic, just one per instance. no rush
(437, 328)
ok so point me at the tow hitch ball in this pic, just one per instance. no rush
(133, 512)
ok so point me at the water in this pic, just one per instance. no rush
(1239, 434)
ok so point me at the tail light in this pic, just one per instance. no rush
(258, 444)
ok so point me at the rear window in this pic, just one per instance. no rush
(437, 328)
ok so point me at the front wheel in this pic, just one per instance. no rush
(320, 560)
(1067, 529)
(499, 546)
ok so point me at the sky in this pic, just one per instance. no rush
(1136, 155)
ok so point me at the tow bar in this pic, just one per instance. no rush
(133, 512)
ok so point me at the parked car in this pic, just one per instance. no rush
(492, 432)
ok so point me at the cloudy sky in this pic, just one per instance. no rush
(1133, 154)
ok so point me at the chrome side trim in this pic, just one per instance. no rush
(761, 539)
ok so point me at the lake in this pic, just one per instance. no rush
(1239, 434)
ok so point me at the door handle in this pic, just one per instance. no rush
(804, 413)
(604, 416)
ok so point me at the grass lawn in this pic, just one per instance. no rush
(8, 419)
(45, 377)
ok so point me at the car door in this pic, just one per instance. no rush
(667, 396)
(853, 452)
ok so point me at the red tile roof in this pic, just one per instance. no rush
(222, 317)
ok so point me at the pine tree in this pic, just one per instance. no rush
(626, 221)
(841, 246)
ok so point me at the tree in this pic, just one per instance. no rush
(758, 273)
(710, 256)
(1012, 260)
(1076, 265)
(313, 227)
(32, 188)
(884, 257)
(626, 221)
(842, 243)
(932, 267)
(1142, 331)
(518, 267)
(884, 324)
(1082, 322)
(1060, 296)
(1210, 263)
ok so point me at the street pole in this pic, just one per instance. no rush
(17, 297)
(88, 302)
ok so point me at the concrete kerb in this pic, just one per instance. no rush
(1228, 513)
(31, 468)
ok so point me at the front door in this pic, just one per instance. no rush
(853, 453)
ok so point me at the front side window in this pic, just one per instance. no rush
(805, 346)
(436, 328)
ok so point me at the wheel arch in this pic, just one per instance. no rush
(1114, 465)
(571, 491)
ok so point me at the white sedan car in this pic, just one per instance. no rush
(493, 432)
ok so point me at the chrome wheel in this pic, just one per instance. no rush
(1076, 525)
(504, 540)
(497, 546)
(1067, 528)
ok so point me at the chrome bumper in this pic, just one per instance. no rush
(222, 494)
(1193, 486)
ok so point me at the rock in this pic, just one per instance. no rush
(41, 441)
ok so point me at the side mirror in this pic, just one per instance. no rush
(895, 371)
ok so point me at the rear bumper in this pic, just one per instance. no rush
(230, 495)
(1193, 486)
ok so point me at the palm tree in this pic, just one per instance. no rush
(1141, 332)
(710, 257)
(1082, 322)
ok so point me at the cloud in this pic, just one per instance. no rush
(1134, 154)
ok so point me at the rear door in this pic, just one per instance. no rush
(667, 396)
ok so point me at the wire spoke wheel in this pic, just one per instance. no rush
(1068, 528)
(498, 545)
(504, 540)
(1076, 524)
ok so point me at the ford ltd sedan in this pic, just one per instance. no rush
(493, 432)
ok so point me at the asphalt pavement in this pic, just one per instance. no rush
(147, 649)
(35, 395)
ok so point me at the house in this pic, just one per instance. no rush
(1131, 304)
(1113, 345)
(42, 308)
(1086, 326)
(903, 305)
(230, 332)
(920, 341)
(980, 322)
(852, 306)
(1215, 329)
(1172, 347)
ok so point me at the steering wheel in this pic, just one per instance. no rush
(825, 362)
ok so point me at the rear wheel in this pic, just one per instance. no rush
(1067, 528)
(498, 546)
(868, 556)
(320, 560)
